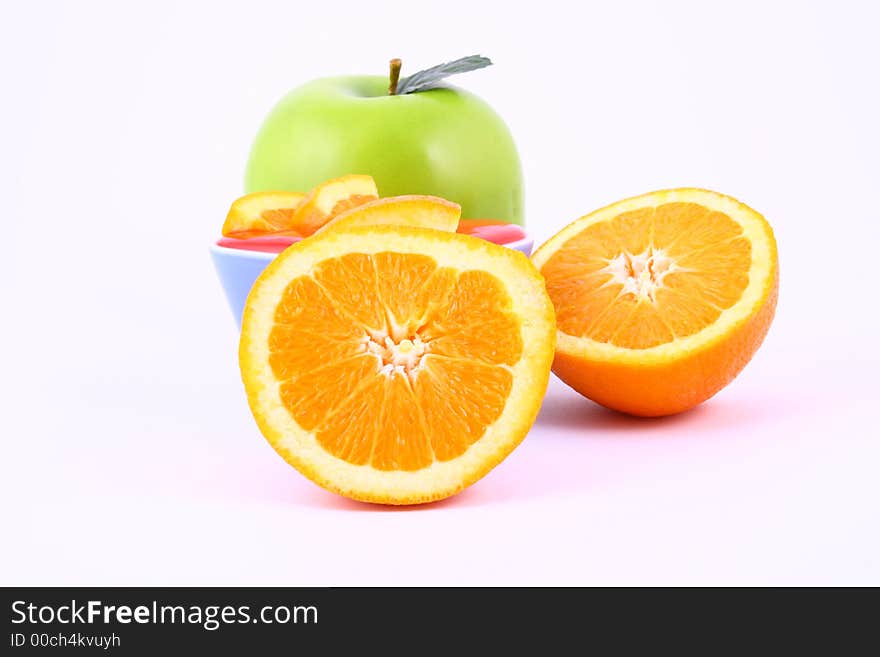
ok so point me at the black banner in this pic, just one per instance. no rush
(131, 621)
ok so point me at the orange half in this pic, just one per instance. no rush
(661, 299)
(395, 364)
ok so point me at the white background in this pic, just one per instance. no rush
(129, 456)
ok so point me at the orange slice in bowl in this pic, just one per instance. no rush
(331, 198)
(260, 213)
(661, 299)
(417, 211)
(394, 364)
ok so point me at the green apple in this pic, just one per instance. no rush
(443, 141)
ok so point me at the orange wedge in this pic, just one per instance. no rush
(416, 211)
(393, 364)
(260, 213)
(661, 299)
(331, 198)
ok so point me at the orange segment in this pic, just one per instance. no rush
(402, 442)
(476, 321)
(310, 396)
(416, 211)
(350, 281)
(496, 341)
(396, 364)
(305, 306)
(460, 399)
(294, 352)
(660, 299)
(350, 432)
(331, 198)
(396, 272)
(260, 213)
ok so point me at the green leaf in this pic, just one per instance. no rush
(430, 78)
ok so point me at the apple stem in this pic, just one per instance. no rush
(394, 76)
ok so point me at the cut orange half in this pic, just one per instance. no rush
(331, 198)
(395, 364)
(418, 211)
(661, 299)
(260, 213)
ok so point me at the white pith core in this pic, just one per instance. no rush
(642, 274)
(401, 356)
